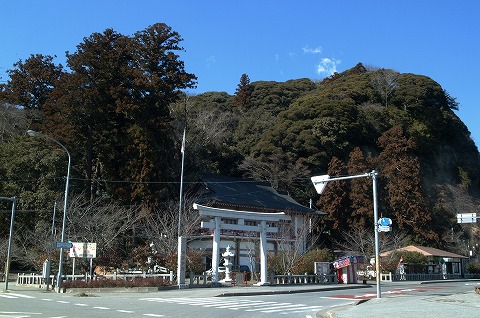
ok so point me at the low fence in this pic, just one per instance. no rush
(32, 279)
(199, 280)
(423, 277)
(305, 279)
(40, 280)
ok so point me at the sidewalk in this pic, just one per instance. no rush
(410, 306)
(463, 305)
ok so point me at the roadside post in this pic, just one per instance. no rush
(10, 238)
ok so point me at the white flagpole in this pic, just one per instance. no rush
(181, 186)
(181, 250)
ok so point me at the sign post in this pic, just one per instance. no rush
(83, 250)
(467, 218)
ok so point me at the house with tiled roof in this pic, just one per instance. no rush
(438, 261)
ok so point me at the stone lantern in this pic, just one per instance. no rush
(228, 258)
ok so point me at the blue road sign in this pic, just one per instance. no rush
(63, 244)
(385, 222)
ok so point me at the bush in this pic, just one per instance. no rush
(296, 263)
(473, 268)
(120, 283)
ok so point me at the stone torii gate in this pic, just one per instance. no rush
(216, 224)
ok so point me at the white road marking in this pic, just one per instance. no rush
(19, 313)
(20, 295)
(240, 304)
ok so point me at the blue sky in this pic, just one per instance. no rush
(272, 40)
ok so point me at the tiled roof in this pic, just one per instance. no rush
(427, 251)
(248, 195)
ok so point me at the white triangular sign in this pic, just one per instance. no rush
(319, 182)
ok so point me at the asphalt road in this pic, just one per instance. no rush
(32, 302)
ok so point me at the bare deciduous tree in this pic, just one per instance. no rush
(161, 228)
(110, 226)
(361, 240)
(385, 82)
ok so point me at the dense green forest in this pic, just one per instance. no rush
(119, 106)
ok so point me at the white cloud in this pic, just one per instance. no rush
(210, 60)
(308, 50)
(327, 66)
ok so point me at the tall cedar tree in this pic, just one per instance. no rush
(113, 110)
(31, 82)
(407, 201)
(243, 94)
(335, 200)
(361, 197)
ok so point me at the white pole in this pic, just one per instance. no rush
(181, 186)
(10, 237)
(50, 249)
(181, 248)
(377, 240)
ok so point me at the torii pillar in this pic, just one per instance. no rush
(217, 225)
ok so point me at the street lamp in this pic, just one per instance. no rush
(319, 182)
(60, 266)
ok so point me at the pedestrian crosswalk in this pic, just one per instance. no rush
(14, 295)
(248, 305)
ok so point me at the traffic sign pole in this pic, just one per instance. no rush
(320, 182)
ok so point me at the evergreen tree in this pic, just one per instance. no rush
(335, 200)
(243, 94)
(113, 110)
(31, 82)
(407, 201)
(361, 197)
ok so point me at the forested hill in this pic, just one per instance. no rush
(402, 125)
(122, 118)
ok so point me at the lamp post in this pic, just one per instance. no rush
(9, 251)
(320, 182)
(60, 266)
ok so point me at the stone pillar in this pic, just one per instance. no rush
(216, 249)
(263, 253)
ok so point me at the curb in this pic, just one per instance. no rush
(290, 291)
(118, 289)
(330, 312)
